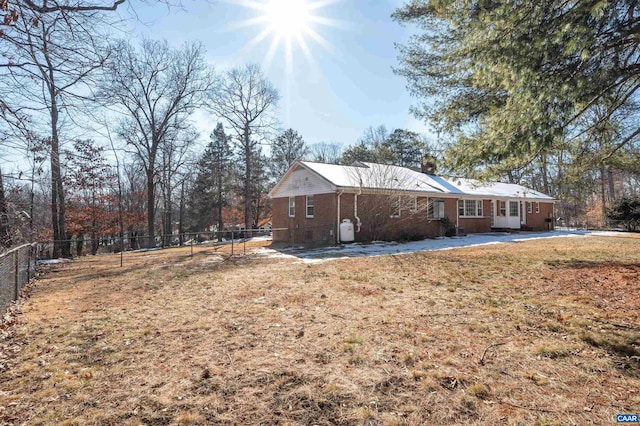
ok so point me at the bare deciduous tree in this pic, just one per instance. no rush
(325, 152)
(59, 52)
(246, 100)
(156, 88)
(174, 155)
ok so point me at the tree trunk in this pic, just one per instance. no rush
(545, 174)
(612, 191)
(220, 221)
(94, 243)
(5, 233)
(151, 206)
(247, 180)
(181, 216)
(79, 244)
(61, 245)
(603, 192)
(168, 228)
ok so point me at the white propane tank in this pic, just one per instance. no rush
(346, 231)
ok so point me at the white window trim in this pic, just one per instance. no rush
(306, 210)
(537, 206)
(529, 207)
(517, 210)
(478, 208)
(500, 209)
(294, 206)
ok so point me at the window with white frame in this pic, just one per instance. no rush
(537, 207)
(514, 208)
(435, 209)
(502, 208)
(309, 205)
(292, 206)
(470, 208)
(529, 207)
(395, 207)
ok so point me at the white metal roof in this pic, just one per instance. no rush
(385, 177)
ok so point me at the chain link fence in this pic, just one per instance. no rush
(134, 241)
(17, 267)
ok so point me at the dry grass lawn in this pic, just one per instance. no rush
(543, 332)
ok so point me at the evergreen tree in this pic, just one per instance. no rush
(370, 148)
(626, 210)
(287, 148)
(511, 81)
(212, 184)
(406, 146)
(400, 148)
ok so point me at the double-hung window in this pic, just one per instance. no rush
(292, 206)
(309, 205)
(537, 207)
(435, 209)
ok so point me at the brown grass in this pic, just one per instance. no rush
(540, 332)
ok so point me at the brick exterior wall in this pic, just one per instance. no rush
(537, 221)
(376, 221)
(318, 230)
(377, 224)
(477, 225)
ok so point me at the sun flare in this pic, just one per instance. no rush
(290, 24)
(288, 18)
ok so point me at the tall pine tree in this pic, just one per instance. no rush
(511, 81)
(211, 188)
(287, 148)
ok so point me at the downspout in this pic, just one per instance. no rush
(338, 221)
(355, 210)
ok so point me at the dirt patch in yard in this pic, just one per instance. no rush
(537, 332)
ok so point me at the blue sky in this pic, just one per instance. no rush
(331, 97)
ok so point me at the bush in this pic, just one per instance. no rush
(449, 227)
(626, 211)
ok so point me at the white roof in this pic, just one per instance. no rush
(497, 189)
(385, 177)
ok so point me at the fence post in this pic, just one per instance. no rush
(33, 250)
(17, 278)
(29, 250)
(231, 241)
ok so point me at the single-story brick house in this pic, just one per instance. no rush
(389, 202)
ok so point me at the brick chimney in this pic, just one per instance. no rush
(428, 164)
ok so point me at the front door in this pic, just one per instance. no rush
(507, 214)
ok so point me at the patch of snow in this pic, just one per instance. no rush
(380, 248)
(213, 259)
(51, 261)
